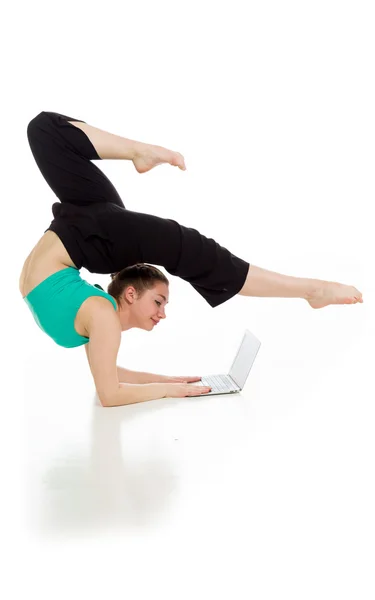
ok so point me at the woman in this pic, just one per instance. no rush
(93, 229)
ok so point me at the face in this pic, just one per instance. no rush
(148, 310)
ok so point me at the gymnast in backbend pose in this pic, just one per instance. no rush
(93, 229)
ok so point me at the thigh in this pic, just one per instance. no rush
(63, 154)
(213, 271)
(140, 237)
(105, 238)
(109, 239)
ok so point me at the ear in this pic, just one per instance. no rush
(130, 293)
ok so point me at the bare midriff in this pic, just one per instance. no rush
(46, 258)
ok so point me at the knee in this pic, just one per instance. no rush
(34, 125)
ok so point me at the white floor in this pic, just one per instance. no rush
(262, 496)
(246, 495)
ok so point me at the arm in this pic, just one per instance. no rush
(105, 337)
(127, 376)
(131, 393)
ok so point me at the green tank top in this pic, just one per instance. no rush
(55, 302)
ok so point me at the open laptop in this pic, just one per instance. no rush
(240, 369)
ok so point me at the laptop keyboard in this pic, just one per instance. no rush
(218, 383)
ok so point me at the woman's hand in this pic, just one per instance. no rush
(180, 390)
(181, 379)
(178, 387)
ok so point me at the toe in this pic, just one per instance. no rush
(180, 162)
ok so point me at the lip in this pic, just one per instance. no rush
(156, 322)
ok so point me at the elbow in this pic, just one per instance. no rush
(104, 400)
(104, 404)
(108, 394)
(109, 400)
(121, 396)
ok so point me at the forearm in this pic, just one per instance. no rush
(128, 393)
(128, 376)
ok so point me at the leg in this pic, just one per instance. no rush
(184, 252)
(119, 238)
(63, 154)
(144, 156)
(262, 283)
(63, 148)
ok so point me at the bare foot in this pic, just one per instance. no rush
(148, 156)
(331, 292)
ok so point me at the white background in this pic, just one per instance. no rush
(270, 493)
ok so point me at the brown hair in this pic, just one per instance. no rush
(141, 276)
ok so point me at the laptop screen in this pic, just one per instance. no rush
(244, 360)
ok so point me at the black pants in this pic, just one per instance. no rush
(102, 236)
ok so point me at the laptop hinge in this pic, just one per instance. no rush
(234, 382)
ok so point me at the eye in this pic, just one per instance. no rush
(158, 302)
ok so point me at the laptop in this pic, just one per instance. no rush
(238, 374)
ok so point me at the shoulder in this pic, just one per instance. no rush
(98, 302)
(102, 294)
(97, 309)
